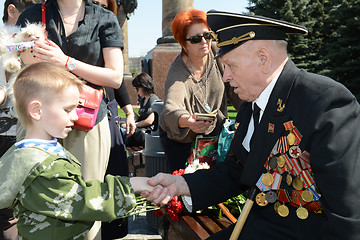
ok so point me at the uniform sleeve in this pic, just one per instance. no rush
(63, 194)
(334, 158)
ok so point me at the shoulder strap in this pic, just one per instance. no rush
(43, 18)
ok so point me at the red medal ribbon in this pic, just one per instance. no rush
(283, 196)
(298, 135)
(296, 169)
(289, 125)
(305, 176)
(313, 206)
(296, 198)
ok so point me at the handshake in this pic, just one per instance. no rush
(161, 188)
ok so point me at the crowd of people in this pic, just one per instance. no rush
(295, 145)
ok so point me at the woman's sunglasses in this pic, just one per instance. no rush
(197, 38)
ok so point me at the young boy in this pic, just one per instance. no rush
(39, 179)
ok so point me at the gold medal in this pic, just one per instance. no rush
(281, 161)
(267, 179)
(276, 206)
(261, 200)
(297, 184)
(302, 213)
(283, 210)
(288, 179)
(290, 139)
(307, 196)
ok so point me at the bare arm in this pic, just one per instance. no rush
(146, 122)
(110, 75)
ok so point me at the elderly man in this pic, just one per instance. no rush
(297, 141)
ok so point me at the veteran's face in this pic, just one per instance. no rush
(243, 71)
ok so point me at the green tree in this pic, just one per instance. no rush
(303, 49)
(331, 46)
(341, 48)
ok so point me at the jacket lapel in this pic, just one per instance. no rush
(242, 119)
(271, 125)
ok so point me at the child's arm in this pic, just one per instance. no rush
(140, 184)
(2, 95)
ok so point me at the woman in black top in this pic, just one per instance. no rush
(144, 87)
(86, 39)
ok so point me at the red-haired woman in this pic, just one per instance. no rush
(193, 85)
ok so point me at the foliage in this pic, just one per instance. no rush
(331, 46)
(134, 72)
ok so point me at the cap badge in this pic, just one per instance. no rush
(236, 40)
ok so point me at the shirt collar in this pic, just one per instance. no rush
(263, 99)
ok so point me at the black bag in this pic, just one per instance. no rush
(137, 139)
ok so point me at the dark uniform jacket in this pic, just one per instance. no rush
(327, 115)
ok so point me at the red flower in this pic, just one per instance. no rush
(179, 172)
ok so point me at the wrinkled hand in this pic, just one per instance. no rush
(166, 186)
(198, 126)
(49, 52)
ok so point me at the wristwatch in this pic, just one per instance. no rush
(71, 65)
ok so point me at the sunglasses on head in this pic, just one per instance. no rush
(197, 38)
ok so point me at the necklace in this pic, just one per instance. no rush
(207, 107)
(77, 18)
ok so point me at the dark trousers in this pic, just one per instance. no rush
(118, 165)
(177, 153)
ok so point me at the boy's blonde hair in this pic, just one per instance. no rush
(43, 81)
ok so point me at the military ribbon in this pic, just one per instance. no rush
(314, 192)
(306, 178)
(283, 146)
(304, 159)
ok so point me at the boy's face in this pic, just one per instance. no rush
(58, 117)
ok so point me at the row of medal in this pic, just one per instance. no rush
(287, 161)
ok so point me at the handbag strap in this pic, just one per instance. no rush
(43, 19)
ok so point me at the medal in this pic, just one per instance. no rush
(268, 179)
(295, 151)
(302, 213)
(271, 196)
(261, 200)
(307, 196)
(288, 179)
(273, 162)
(297, 184)
(283, 210)
(281, 161)
(290, 139)
(276, 206)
